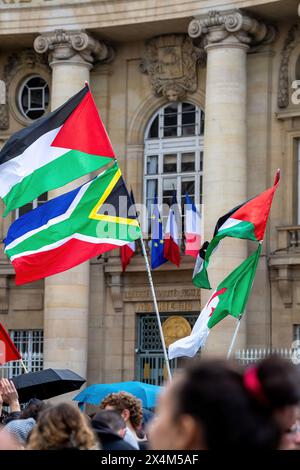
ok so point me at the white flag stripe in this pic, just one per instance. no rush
(192, 221)
(55, 220)
(172, 228)
(190, 345)
(229, 223)
(76, 236)
(132, 246)
(38, 154)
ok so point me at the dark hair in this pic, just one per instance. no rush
(213, 393)
(33, 409)
(280, 382)
(110, 418)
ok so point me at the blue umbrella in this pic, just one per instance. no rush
(94, 394)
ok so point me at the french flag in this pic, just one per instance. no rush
(172, 242)
(192, 228)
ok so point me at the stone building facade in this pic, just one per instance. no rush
(200, 95)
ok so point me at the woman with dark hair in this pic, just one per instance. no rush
(213, 405)
(275, 383)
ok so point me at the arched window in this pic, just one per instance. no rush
(174, 155)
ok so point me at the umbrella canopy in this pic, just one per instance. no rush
(94, 394)
(46, 383)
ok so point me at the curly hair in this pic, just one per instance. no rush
(125, 401)
(62, 426)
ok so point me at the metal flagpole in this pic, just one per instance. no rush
(23, 365)
(156, 309)
(234, 337)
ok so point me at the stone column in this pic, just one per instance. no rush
(226, 37)
(71, 55)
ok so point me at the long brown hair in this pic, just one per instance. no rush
(62, 426)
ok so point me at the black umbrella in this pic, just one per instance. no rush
(46, 383)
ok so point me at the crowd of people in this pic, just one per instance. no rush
(211, 404)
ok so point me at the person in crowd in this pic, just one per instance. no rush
(8, 442)
(62, 427)
(20, 429)
(212, 405)
(275, 382)
(130, 408)
(110, 428)
(33, 409)
(9, 396)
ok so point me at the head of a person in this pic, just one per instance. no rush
(110, 419)
(62, 426)
(20, 429)
(208, 406)
(33, 409)
(127, 405)
(8, 441)
(277, 384)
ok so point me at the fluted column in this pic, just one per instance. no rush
(71, 56)
(226, 37)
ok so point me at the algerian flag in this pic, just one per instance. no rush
(229, 298)
(58, 148)
(247, 221)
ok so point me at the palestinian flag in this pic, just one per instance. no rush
(247, 221)
(72, 228)
(60, 147)
(229, 298)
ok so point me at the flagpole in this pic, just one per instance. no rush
(24, 367)
(156, 309)
(234, 337)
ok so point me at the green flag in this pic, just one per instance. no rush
(232, 294)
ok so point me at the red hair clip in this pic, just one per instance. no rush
(253, 385)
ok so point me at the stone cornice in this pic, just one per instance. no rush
(43, 15)
(64, 45)
(221, 27)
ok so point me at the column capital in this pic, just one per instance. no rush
(65, 46)
(232, 27)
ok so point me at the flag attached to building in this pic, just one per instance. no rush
(192, 228)
(157, 239)
(229, 298)
(8, 351)
(58, 148)
(247, 221)
(72, 228)
(172, 241)
(128, 251)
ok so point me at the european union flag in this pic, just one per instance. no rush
(157, 240)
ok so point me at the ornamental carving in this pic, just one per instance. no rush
(175, 328)
(216, 26)
(283, 82)
(171, 63)
(64, 45)
(26, 60)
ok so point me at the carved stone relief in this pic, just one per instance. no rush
(171, 63)
(284, 79)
